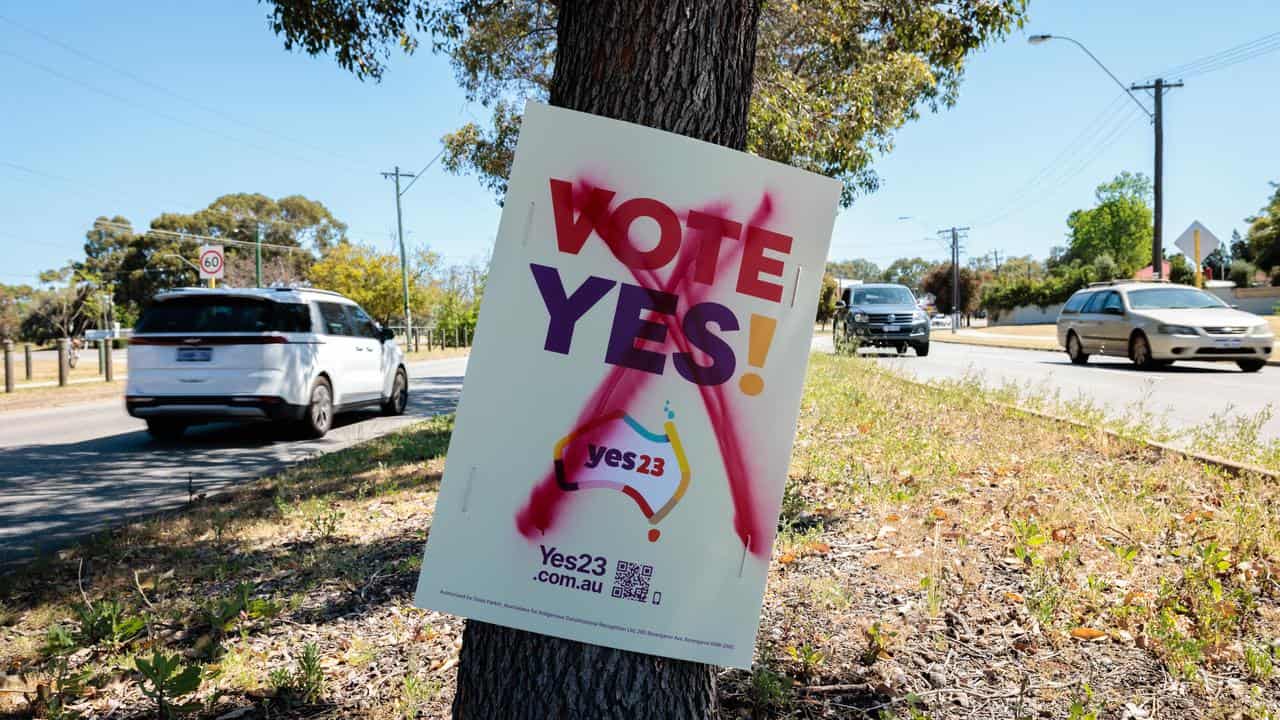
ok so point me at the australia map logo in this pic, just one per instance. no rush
(615, 452)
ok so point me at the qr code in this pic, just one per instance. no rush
(631, 581)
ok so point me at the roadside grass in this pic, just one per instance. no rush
(1024, 337)
(54, 396)
(438, 353)
(45, 369)
(938, 556)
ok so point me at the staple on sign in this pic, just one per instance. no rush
(746, 548)
(528, 223)
(795, 286)
(466, 494)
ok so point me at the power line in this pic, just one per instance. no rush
(1086, 135)
(1077, 158)
(1224, 58)
(424, 169)
(160, 113)
(173, 234)
(167, 91)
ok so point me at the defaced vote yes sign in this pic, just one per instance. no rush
(630, 403)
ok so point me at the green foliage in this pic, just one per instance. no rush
(461, 291)
(809, 658)
(1028, 536)
(856, 269)
(907, 271)
(1082, 706)
(13, 303)
(165, 680)
(105, 621)
(770, 690)
(828, 294)
(304, 684)
(373, 279)
(1181, 270)
(1061, 282)
(59, 640)
(1264, 233)
(324, 520)
(1118, 226)
(52, 699)
(833, 80)
(1242, 273)
(938, 281)
(879, 642)
(223, 614)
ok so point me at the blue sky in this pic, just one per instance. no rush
(88, 140)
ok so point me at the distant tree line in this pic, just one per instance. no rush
(123, 268)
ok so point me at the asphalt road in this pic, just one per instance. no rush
(68, 471)
(1185, 395)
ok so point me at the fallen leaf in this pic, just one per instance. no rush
(1013, 597)
(1136, 597)
(939, 514)
(820, 548)
(1065, 535)
(892, 517)
(787, 558)
(1087, 633)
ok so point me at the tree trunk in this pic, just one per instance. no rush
(684, 66)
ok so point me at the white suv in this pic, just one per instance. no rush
(299, 355)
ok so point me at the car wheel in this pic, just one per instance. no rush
(399, 399)
(1140, 352)
(319, 416)
(166, 430)
(1251, 365)
(922, 349)
(1075, 350)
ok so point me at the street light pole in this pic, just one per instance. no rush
(1159, 86)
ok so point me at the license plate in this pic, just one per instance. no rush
(890, 328)
(1226, 343)
(195, 354)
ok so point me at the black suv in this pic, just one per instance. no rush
(882, 315)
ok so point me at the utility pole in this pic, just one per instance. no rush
(1157, 121)
(404, 261)
(956, 235)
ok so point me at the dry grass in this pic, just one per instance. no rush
(939, 558)
(47, 397)
(438, 354)
(1047, 330)
(1028, 342)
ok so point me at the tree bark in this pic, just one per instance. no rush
(684, 66)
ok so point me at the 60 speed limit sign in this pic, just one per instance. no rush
(212, 262)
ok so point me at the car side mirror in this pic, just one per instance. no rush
(386, 333)
(1235, 307)
(840, 305)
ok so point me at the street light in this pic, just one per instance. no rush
(1157, 249)
(1040, 39)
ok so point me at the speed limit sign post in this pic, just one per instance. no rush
(213, 264)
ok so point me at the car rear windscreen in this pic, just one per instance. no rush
(224, 315)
